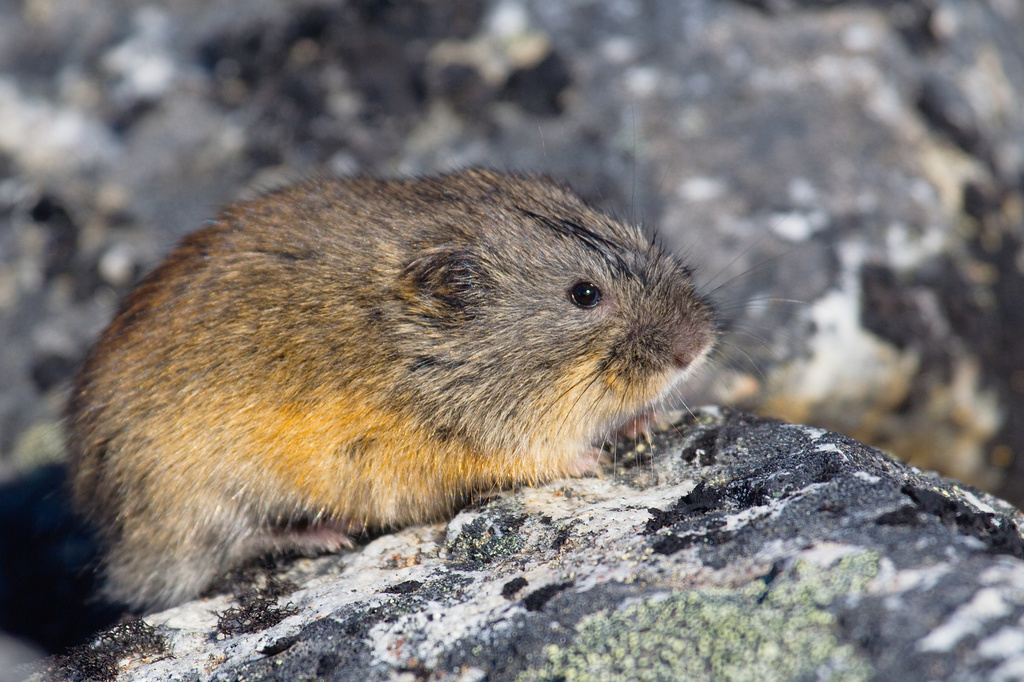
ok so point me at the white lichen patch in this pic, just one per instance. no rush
(828, 554)
(988, 604)
(415, 636)
(891, 581)
(814, 433)
(867, 478)
(976, 503)
(1008, 641)
(734, 522)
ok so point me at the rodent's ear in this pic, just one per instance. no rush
(447, 284)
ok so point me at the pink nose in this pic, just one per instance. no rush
(688, 346)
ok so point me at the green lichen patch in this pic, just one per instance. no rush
(761, 632)
(487, 538)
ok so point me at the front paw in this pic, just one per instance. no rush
(589, 463)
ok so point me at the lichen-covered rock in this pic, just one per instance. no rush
(727, 548)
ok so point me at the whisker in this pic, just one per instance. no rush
(745, 304)
(761, 238)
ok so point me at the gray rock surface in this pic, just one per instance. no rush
(729, 548)
(861, 159)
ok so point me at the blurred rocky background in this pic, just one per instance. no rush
(848, 178)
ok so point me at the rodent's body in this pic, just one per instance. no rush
(364, 353)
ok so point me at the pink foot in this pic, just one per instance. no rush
(588, 462)
(325, 535)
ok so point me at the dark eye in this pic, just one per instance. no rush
(585, 294)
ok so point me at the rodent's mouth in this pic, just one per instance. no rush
(660, 409)
(640, 424)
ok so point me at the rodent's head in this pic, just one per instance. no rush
(543, 318)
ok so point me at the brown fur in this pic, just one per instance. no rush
(364, 353)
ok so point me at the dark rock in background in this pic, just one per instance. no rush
(863, 159)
